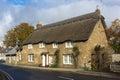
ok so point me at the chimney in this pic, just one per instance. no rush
(98, 10)
(39, 25)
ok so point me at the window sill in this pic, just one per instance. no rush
(55, 47)
(67, 63)
(68, 47)
(30, 61)
(41, 46)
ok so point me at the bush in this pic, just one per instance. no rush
(54, 65)
(40, 65)
(86, 68)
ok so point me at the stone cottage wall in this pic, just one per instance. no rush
(98, 36)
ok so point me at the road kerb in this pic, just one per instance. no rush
(78, 71)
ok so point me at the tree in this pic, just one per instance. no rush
(75, 54)
(113, 35)
(18, 34)
(9, 39)
(22, 31)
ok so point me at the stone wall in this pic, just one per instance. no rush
(11, 60)
(98, 36)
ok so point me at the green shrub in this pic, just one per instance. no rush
(54, 65)
(86, 68)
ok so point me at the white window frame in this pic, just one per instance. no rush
(42, 45)
(50, 59)
(30, 57)
(67, 59)
(55, 45)
(20, 57)
(30, 46)
(68, 44)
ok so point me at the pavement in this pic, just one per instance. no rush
(78, 71)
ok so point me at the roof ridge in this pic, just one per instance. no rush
(69, 20)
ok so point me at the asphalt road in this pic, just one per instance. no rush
(34, 74)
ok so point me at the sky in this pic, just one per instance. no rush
(14, 12)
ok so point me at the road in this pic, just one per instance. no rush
(34, 74)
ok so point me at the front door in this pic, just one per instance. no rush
(45, 60)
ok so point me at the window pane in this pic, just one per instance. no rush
(55, 45)
(67, 59)
(30, 57)
(50, 59)
(41, 45)
(70, 59)
(30, 46)
(68, 44)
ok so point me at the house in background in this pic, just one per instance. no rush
(85, 32)
(3, 53)
(11, 57)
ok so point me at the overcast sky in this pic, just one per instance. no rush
(14, 12)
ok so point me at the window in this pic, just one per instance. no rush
(67, 59)
(20, 57)
(41, 45)
(55, 45)
(51, 59)
(30, 46)
(68, 44)
(30, 58)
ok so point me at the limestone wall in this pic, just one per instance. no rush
(97, 37)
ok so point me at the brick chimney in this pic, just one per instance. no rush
(39, 25)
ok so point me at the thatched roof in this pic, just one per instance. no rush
(74, 29)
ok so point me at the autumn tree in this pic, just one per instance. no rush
(113, 35)
(18, 34)
(9, 38)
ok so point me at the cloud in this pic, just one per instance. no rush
(49, 11)
(5, 23)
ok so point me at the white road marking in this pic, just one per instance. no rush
(65, 78)
(7, 75)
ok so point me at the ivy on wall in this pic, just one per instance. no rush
(75, 54)
(56, 54)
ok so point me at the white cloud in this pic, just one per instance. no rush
(13, 15)
(66, 11)
(5, 23)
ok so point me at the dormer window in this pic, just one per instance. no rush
(42, 45)
(55, 45)
(30, 46)
(68, 44)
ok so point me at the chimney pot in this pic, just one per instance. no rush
(39, 25)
